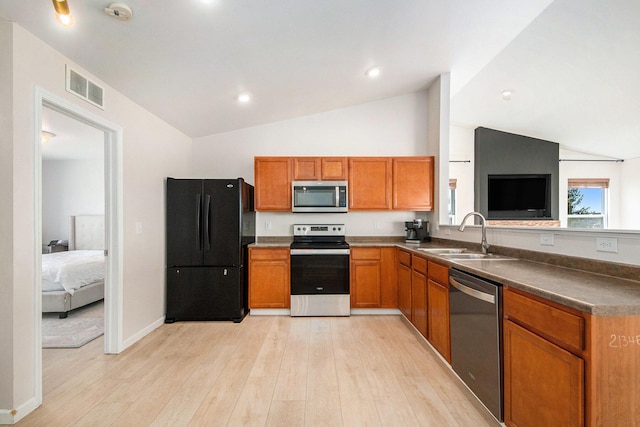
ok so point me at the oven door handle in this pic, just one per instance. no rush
(472, 292)
(319, 251)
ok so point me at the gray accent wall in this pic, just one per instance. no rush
(498, 152)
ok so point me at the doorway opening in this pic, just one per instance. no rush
(46, 102)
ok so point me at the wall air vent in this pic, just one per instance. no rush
(84, 88)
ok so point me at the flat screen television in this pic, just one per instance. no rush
(519, 196)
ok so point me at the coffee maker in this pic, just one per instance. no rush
(416, 231)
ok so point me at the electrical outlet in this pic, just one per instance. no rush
(376, 225)
(267, 225)
(138, 227)
(607, 245)
(547, 240)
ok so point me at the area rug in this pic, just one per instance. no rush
(70, 332)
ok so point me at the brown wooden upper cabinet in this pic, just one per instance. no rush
(370, 183)
(320, 168)
(273, 183)
(375, 183)
(413, 183)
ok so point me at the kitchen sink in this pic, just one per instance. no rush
(442, 251)
(476, 256)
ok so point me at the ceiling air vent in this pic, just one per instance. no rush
(84, 88)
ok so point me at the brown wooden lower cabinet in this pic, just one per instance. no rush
(269, 272)
(365, 277)
(373, 278)
(419, 294)
(404, 284)
(544, 384)
(567, 368)
(439, 333)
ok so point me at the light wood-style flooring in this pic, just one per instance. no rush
(265, 371)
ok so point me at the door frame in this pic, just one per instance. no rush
(113, 224)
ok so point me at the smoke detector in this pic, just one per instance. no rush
(120, 11)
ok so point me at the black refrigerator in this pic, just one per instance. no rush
(210, 223)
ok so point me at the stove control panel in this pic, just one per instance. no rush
(319, 230)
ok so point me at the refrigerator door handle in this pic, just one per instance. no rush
(198, 216)
(207, 205)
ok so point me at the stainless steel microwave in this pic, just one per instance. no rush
(319, 196)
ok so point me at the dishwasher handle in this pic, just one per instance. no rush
(472, 292)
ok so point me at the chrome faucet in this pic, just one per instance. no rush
(485, 245)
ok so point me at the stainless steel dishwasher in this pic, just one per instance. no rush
(476, 336)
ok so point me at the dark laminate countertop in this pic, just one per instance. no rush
(596, 294)
(589, 292)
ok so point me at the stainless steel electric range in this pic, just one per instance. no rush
(320, 271)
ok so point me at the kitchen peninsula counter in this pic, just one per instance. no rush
(588, 292)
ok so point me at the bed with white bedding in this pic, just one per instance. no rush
(75, 278)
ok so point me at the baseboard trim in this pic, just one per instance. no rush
(141, 334)
(354, 312)
(375, 311)
(270, 312)
(13, 416)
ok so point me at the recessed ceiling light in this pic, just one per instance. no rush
(373, 72)
(244, 98)
(46, 136)
(506, 94)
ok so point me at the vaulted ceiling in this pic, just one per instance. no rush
(570, 63)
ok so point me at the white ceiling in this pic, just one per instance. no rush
(575, 73)
(186, 61)
(73, 139)
(573, 66)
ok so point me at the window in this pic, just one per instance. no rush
(587, 203)
(452, 201)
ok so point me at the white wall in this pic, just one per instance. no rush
(630, 194)
(438, 100)
(70, 187)
(391, 127)
(151, 150)
(6, 218)
(461, 148)
(566, 241)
